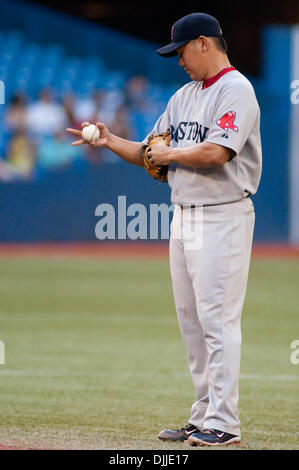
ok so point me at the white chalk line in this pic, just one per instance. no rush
(40, 373)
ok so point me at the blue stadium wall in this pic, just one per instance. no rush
(61, 206)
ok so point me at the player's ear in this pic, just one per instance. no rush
(203, 43)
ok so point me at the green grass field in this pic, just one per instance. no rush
(94, 357)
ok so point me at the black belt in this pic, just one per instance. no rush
(193, 206)
(188, 206)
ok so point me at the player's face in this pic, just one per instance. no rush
(192, 59)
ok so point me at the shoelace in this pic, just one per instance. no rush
(188, 428)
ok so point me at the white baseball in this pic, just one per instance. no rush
(90, 133)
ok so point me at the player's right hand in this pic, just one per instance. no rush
(100, 142)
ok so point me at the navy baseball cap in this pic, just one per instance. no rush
(190, 27)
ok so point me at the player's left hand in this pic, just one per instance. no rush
(159, 154)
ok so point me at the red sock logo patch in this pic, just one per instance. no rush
(227, 121)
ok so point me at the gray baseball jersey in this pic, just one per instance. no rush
(226, 113)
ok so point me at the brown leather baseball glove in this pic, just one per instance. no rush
(158, 172)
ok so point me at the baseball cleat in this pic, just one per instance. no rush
(213, 437)
(178, 435)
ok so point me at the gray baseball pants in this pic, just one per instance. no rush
(209, 279)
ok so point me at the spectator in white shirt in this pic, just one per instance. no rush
(45, 116)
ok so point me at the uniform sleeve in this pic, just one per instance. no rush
(161, 125)
(234, 116)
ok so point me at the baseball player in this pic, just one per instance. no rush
(214, 165)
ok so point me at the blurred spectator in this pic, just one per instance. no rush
(21, 154)
(45, 117)
(87, 108)
(15, 116)
(56, 152)
(141, 105)
(68, 104)
(7, 174)
(101, 106)
(136, 93)
(120, 125)
(110, 103)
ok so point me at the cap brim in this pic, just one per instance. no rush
(170, 49)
